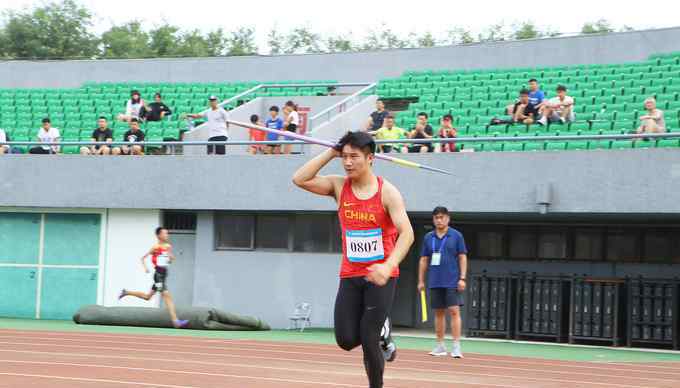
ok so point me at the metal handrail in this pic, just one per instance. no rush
(671, 135)
(331, 108)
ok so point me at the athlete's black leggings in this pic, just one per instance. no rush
(361, 308)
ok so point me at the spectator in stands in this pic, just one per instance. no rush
(216, 122)
(653, 121)
(291, 123)
(425, 132)
(133, 135)
(47, 134)
(522, 111)
(447, 131)
(559, 108)
(419, 133)
(377, 118)
(390, 132)
(536, 95)
(3, 138)
(256, 135)
(133, 107)
(157, 110)
(273, 122)
(101, 134)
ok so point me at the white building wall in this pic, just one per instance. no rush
(129, 234)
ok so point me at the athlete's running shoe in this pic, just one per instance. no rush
(387, 345)
(123, 293)
(455, 351)
(180, 323)
(439, 350)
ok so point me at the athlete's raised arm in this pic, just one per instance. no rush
(306, 177)
(394, 204)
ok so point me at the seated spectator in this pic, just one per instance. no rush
(47, 134)
(377, 118)
(273, 122)
(536, 95)
(101, 134)
(3, 138)
(390, 132)
(134, 135)
(256, 135)
(653, 121)
(523, 112)
(419, 133)
(157, 110)
(447, 131)
(558, 109)
(133, 107)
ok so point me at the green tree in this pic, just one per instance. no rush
(384, 39)
(193, 44)
(126, 41)
(301, 40)
(275, 41)
(164, 40)
(460, 35)
(425, 40)
(494, 33)
(242, 42)
(217, 43)
(56, 30)
(340, 43)
(601, 26)
(526, 30)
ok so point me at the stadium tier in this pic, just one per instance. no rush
(608, 100)
(75, 111)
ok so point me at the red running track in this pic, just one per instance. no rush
(75, 360)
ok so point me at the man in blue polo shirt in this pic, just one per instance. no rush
(444, 259)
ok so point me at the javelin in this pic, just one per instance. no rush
(326, 143)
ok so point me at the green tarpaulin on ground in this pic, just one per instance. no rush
(200, 318)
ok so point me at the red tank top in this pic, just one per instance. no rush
(368, 234)
(160, 257)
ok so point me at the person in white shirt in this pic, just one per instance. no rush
(47, 134)
(653, 121)
(216, 121)
(559, 108)
(3, 138)
(133, 107)
(292, 122)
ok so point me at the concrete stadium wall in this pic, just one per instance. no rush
(626, 182)
(365, 66)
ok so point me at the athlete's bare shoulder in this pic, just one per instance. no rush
(390, 192)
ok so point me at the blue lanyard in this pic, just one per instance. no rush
(441, 247)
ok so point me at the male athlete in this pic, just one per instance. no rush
(376, 235)
(161, 257)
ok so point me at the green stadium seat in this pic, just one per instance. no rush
(599, 144)
(621, 144)
(555, 145)
(664, 143)
(513, 146)
(601, 125)
(577, 145)
(534, 146)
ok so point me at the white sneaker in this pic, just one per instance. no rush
(439, 350)
(543, 121)
(455, 351)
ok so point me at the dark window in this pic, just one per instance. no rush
(313, 233)
(658, 246)
(588, 244)
(174, 220)
(234, 231)
(552, 243)
(489, 244)
(336, 235)
(622, 245)
(522, 243)
(272, 232)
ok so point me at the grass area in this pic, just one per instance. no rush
(325, 336)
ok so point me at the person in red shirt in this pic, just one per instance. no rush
(161, 257)
(376, 236)
(256, 135)
(448, 131)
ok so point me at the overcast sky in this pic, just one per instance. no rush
(359, 17)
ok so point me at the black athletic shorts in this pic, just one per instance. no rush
(217, 149)
(442, 298)
(291, 127)
(160, 280)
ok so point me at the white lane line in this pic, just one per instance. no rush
(52, 377)
(554, 371)
(505, 377)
